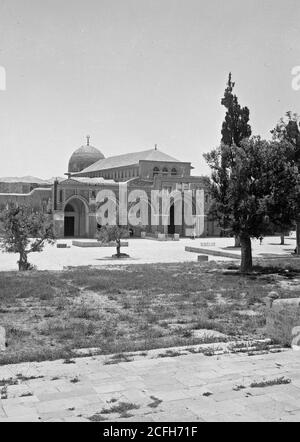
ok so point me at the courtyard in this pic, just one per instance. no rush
(143, 251)
(159, 336)
(86, 300)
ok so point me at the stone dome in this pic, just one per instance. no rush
(84, 157)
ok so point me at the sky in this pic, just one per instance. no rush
(135, 73)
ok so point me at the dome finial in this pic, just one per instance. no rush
(88, 140)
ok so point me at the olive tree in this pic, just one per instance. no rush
(24, 231)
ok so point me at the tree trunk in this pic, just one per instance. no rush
(23, 263)
(298, 239)
(246, 254)
(282, 239)
(237, 241)
(118, 248)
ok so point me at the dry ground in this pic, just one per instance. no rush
(135, 307)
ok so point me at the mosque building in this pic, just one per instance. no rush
(72, 202)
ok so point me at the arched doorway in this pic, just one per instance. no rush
(171, 226)
(76, 219)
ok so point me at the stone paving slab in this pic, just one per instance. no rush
(192, 387)
(143, 251)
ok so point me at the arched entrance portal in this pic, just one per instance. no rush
(171, 226)
(76, 222)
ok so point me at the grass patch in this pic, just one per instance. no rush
(133, 308)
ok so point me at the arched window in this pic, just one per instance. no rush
(174, 171)
(155, 171)
(165, 171)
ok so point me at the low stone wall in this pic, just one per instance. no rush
(163, 237)
(202, 251)
(283, 321)
(88, 243)
(2, 339)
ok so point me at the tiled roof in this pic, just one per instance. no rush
(128, 159)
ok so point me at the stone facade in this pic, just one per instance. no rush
(40, 199)
(73, 205)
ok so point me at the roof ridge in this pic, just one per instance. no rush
(129, 159)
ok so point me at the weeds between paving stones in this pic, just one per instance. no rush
(126, 415)
(97, 417)
(239, 388)
(271, 383)
(10, 381)
(69, 361)
(23, 378)
(122, 407)
(3, 393)
(156, 402)
(116, 359)
(5, 383)
(170, 354)
(75, 380)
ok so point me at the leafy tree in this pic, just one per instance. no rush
(287, 129)
(262, 188)
(115, 233)
(24, 231)
(235, 129)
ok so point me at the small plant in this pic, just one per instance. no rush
(10, 381)
(143, 353)
(69, 361)
(126, 415)
(115, 233)
(170, 354)
(155, 402)
(3, 393)
(116, 359)
(97, 417)
(239, 388)
(207, 394)
(75, 380)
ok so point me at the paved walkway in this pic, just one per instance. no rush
(193, 387)
(142, 251)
